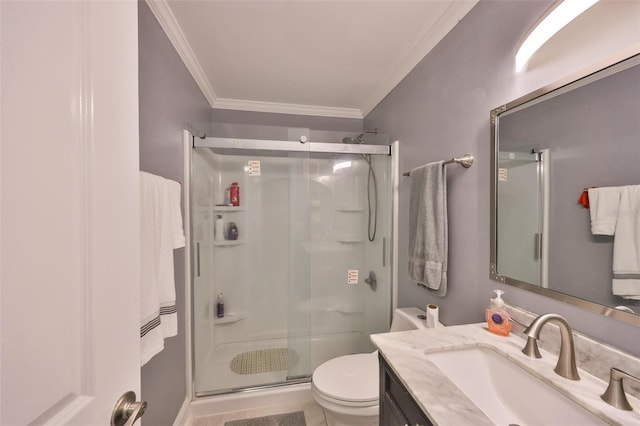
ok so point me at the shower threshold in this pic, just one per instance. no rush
(289, 382)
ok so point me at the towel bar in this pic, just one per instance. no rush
(465, 161)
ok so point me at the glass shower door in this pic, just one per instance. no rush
(262, 273)
(299, 271)
(344, 209)
(520, 225)
(293, 281)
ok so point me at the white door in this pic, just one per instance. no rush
(69, 210)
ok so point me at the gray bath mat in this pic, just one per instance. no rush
(263, 361)
(289, 419)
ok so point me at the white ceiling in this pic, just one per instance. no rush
(326, 58)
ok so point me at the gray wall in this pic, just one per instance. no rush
(440, 110)
(286, 120)
(263, 125)
(169, 101)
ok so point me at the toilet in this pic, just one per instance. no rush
(347, 387)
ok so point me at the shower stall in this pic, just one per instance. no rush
(303, 258)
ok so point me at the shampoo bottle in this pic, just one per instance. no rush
(220, 306)
(497, 317)
(219, 229)
(234, 194)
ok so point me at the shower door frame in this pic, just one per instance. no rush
(189, 142)
(291, 146)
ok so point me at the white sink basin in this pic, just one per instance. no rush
(506, 393)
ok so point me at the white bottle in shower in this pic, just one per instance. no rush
(218, 232)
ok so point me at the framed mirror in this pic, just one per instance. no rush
(548, 149)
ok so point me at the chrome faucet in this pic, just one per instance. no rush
(566, 366)
(614, 395)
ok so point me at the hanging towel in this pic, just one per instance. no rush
(161, 233)
(626, 246)
(616, 211)
(172, 237)
(603, 207)
(428, 239)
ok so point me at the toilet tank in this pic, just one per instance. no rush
(407, 319)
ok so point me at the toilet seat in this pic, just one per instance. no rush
(348, 380)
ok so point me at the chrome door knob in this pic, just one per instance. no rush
(127, 410)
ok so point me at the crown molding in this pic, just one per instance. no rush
(168, 22)
(284, 108)
(454, 13)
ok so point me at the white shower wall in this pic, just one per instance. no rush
(286, 279)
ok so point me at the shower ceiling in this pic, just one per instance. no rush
(326, 58)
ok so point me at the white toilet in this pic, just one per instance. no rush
(347, 387)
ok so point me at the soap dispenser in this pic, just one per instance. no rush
(497, 317)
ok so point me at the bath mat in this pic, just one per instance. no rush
(263, 361)
(289, 419)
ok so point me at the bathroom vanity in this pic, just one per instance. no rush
(415, 388)
(397, 406)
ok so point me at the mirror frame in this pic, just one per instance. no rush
(607, 67)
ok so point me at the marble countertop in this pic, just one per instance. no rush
(445, 404)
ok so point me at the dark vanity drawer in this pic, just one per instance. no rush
(397, 406)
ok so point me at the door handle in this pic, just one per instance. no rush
(127, 410)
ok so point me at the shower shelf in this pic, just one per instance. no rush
(227, 243)
(354, 208)
(230, 318)
(350, 239)
(227, 209)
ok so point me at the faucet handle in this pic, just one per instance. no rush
(614, 395)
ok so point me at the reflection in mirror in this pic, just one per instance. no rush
(548, 147)
(521, 225)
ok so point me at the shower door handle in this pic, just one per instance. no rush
(197, 259)
(384, 252)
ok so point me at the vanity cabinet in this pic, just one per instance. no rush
(397, 406)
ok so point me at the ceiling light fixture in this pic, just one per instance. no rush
(565, 12)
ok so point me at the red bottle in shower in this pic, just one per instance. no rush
(234, 194)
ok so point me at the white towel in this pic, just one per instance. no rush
(161, 232)
(626, 246)
(603, 207)
(616, 211)
(428, 232)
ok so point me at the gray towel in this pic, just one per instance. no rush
(428, 245)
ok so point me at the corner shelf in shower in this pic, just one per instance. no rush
(352, 208)
(350, 239)
(230, 318)
(227, 209)
(227, 243)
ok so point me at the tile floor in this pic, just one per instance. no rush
(313, 414)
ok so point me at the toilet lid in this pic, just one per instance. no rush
(349, 378)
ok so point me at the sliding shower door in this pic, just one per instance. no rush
(292, 274)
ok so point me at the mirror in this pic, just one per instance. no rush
(547, 148)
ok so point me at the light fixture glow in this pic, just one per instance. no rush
(564, 13)
(342, 165)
